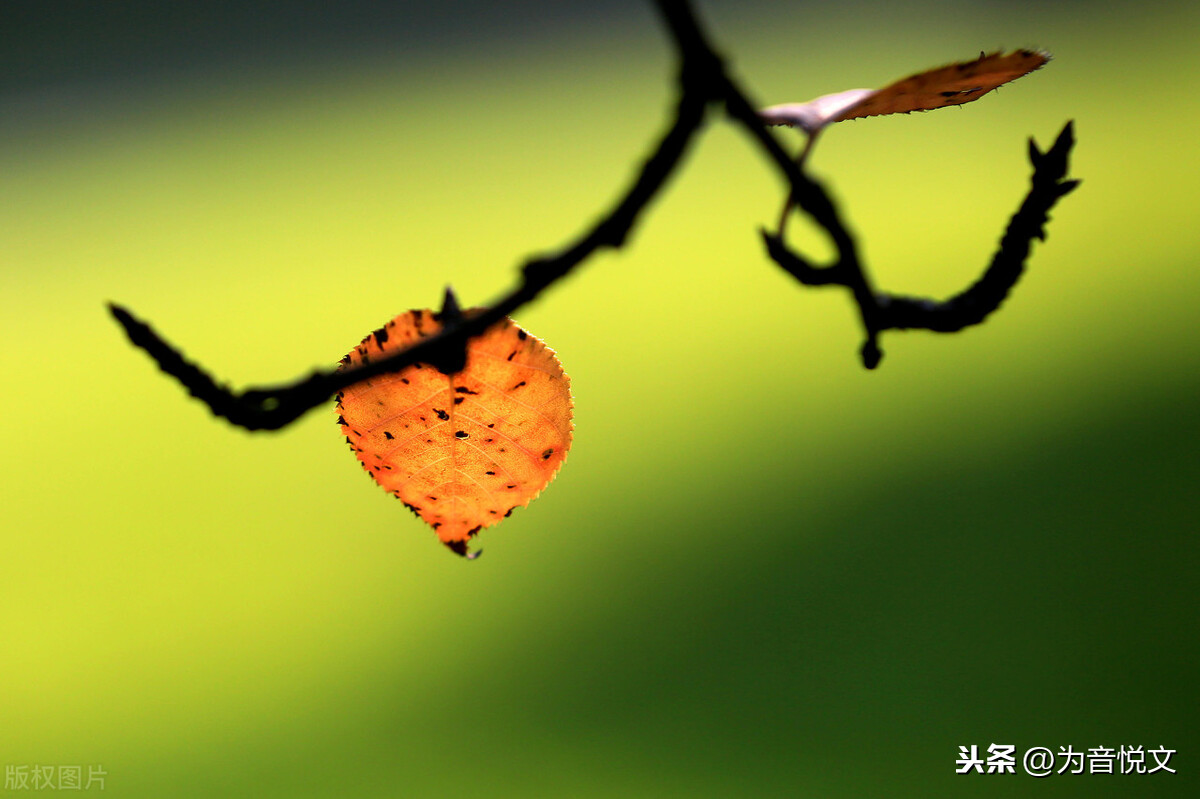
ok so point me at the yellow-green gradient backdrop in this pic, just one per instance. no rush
(762, 571)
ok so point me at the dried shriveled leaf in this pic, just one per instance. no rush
(953, 84)
(461, 451)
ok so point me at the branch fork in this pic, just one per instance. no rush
(703, 82)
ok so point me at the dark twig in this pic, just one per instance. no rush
(703, 79)
(973, 305)
(272, 407)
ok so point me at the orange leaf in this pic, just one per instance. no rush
(461, 451)
(953, 84)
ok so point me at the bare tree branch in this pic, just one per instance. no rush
(973, 305)
(272, 407)
(703, 79)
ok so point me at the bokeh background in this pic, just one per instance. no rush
(762, 571)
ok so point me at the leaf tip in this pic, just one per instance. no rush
(460, 548)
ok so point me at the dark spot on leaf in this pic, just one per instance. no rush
(458, 400)
(510, 486)
(465, 390)
(404, 380)
(521, 334)
(461, 434)
(475, 529)
(493, 424)
(518, 385)
(510, 355)
(341, 420)
(489, 472)
(388, 435)
(381, 337)
(547, 453)
(440, 414)
(509, 512)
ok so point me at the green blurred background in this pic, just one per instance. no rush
(762, 571)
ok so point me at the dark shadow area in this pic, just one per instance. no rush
(82, 42)
(1043, 599)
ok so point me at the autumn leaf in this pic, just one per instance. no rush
(461, 451)
(953, 84)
